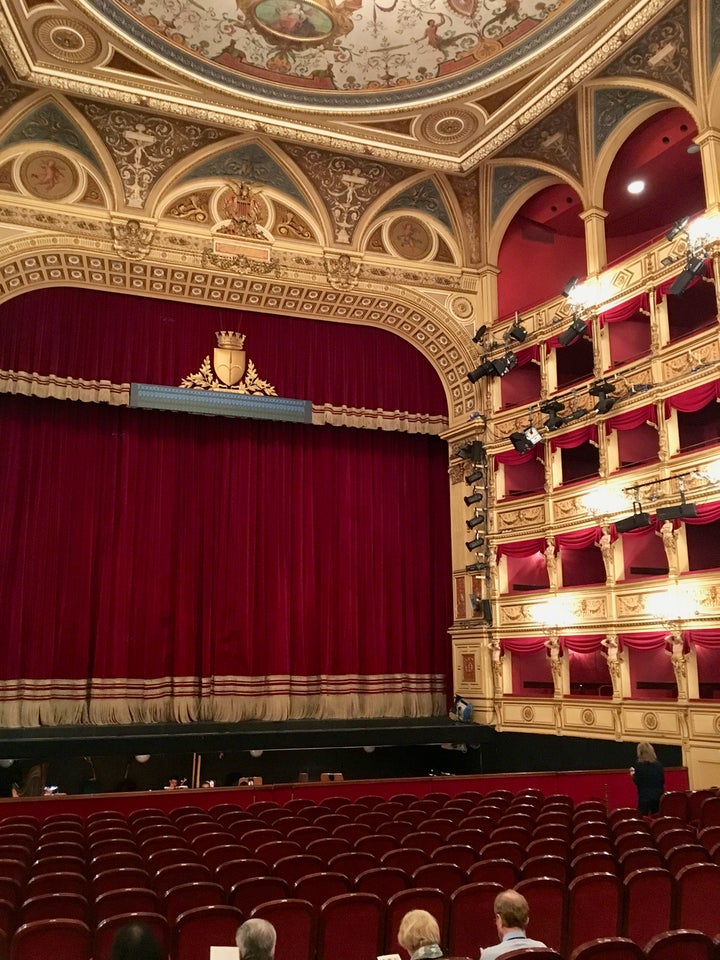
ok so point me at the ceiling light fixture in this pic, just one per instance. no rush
(636, 186)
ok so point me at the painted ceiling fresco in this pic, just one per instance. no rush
(330, 52)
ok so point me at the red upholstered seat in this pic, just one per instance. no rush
(129, 900)
(353, 863)
(547, 866)
(504, 850)
(697, 895)
(316, 888)
(423, 840)
(647, 903)
(185, 896)
(608, 948)
(248, 894)
(434, 901)
(305, 835)
(442, 876)
(106, 931)
(547, 897)
(639, 859)
(177, 873)
(674, 803)
(204, 927)
(352, 831)
(461, 854)
(54, 906)
(376, 844)
(296, 922)
(686, 853)
(351, 926)
(680, 945)
(471, 922)
(406, 858)
(594, 901)
(232, 872)
(503, 872)
(277, 850)
(215, 857)
(328, 847)
(382, 881)
(59, 939)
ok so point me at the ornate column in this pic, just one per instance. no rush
(497, 662)
(551, 563)
(605, 545)
(669, 539)
(614, 663)
(709, 143)
(556, 664)
(595, 248)
(678, 658)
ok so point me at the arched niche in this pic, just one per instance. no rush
(543, 246)
(661, 154)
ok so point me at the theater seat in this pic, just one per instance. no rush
(608, 948)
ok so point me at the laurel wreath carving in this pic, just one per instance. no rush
(205, 379)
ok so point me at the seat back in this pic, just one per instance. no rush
(641, 888)
(351, 927)
(316, 888)
(471, 918)
(697, 895)
(296, 920)
(608, 948)
(248, 894)
(548, 898)
(593, 909)
(59, 939)
(203, 927)
(680, 945)
(106, 931)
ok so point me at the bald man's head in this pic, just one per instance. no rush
(512, 909)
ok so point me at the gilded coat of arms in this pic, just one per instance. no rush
(230, 370)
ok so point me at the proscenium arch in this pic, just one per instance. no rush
(51, 260)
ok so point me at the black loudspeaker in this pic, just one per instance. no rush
(694, 268)
(487, 611)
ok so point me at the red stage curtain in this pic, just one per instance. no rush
(521, 548)
(581, 644)
(578, 539)
(127, 339)
(577, 438)
(652, 640)
(179, 567)
(625, 310)
(632, 419)
(523, 644)
(691, 400)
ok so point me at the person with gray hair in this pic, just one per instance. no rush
(256, 940)
(511, 919)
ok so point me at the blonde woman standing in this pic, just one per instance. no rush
(649, 778)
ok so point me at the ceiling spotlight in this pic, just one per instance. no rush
(485, 369)
(636, 186)
(505, 363)
(569, 287)
(475, 544)
(480, 333)
(635, 521)
(525, 440)
(517, 332)
(680, 512)
(473, 498)
(576, 330)
(604, 404)
(474, 477)
(677, 228)
(694, 268)
(475, 521)
(577, 414)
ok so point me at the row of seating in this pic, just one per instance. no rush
(670, 945)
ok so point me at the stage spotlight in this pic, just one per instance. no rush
(552, 410)
(473, 498)
(577, 414)
(471, 451)
(475, 521)
(505, 363)
(601, 387)
(517, 332)
(601, 390)
(474, 477)
(576, 330)
(635, 521)
(694, 268)
(480, 333)
(569, 286)
(475, 544)
(682, 511)
(475, 567)
(604, 404)
(677, 228)
(526, 439)
(486, 369)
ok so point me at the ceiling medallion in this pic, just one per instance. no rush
(449, 126)
(49, 176)
(298, 23)
(68, 40)
(588, 717)
(528, 713)
(462, 308)
(650, 721)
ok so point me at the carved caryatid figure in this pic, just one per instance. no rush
(551, 561)
(605, 547)
(669, 538)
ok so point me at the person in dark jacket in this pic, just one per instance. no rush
(649, 778)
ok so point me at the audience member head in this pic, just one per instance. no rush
(256, 940)
(511, 911)
(646, 753)
(136, 941)
(418, 928)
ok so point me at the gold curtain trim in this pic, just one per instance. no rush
(64, 388)
(29, 703)
(362, 417)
